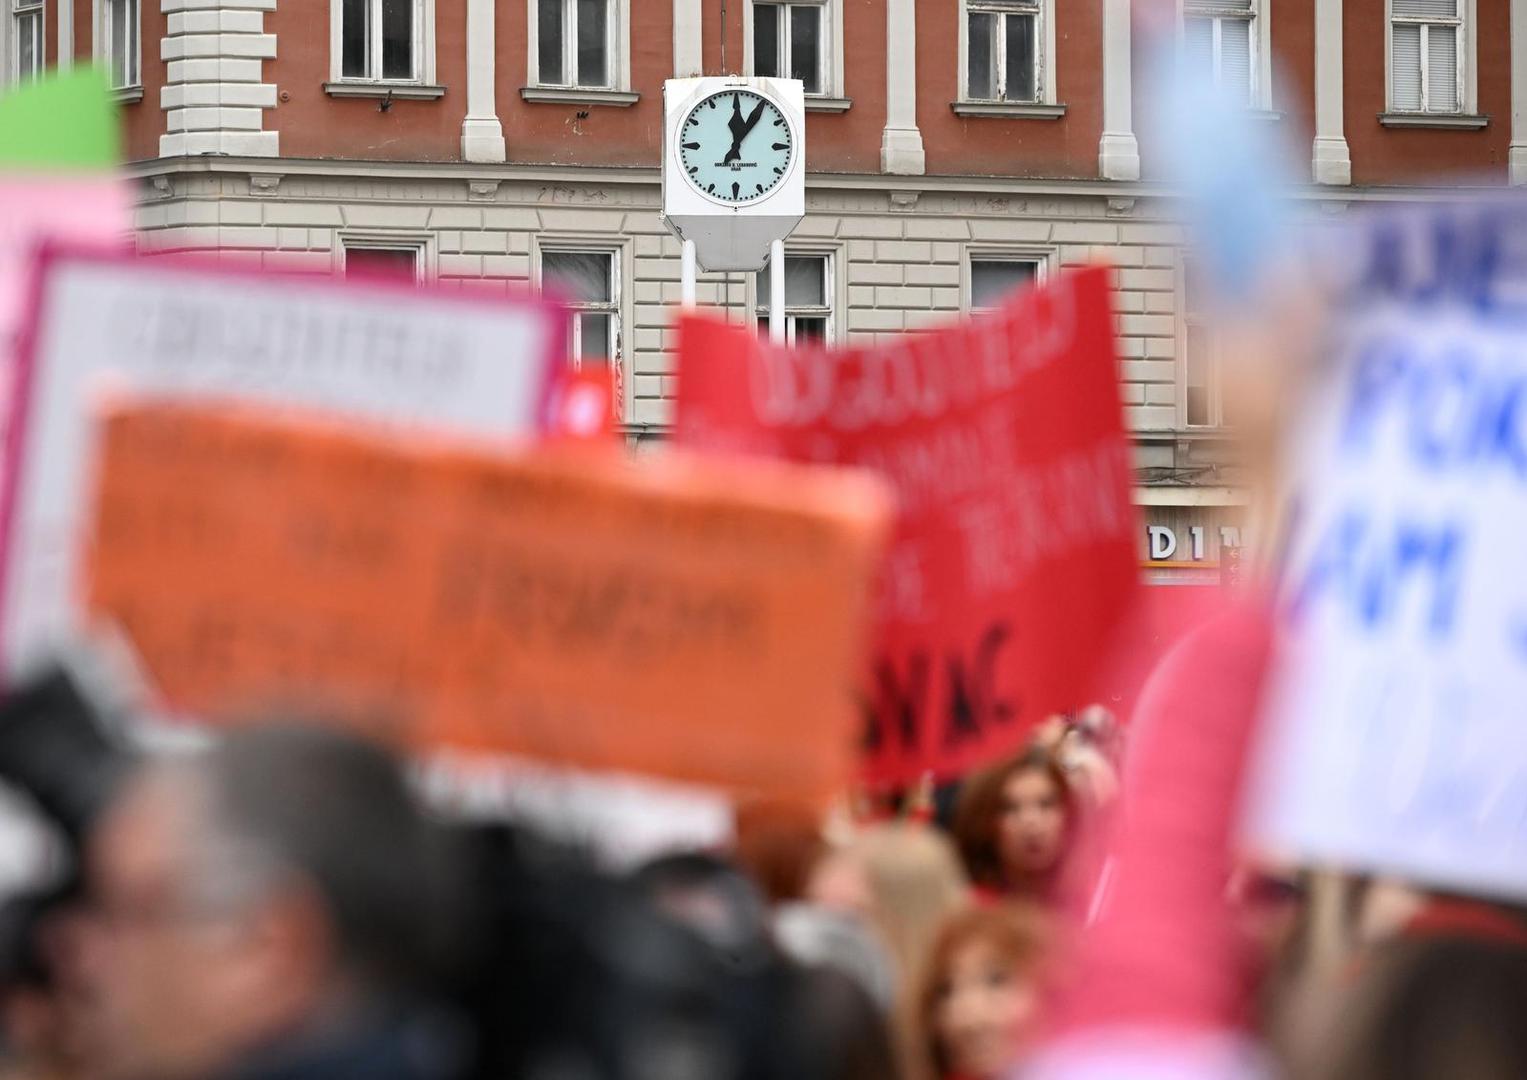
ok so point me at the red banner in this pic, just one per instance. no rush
(1014, 552)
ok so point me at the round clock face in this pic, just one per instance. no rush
(735, 146)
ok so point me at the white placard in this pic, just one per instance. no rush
(1396, 740)
(108, 324)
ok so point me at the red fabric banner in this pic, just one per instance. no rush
(1014, 555)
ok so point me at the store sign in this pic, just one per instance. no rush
(1395, 739)
(1162, 543)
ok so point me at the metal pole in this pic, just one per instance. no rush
(687, 275)
(777, 292)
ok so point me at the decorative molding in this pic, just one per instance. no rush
(823, 104)
(901, 143)
(1120, 205)
(1118, 151)
(264, 183)
(572, 95)
(1008, 110)
(482, 190)
(903, 200)
(127, 95)
(214, 94)
(482, 133)
(1454, 121)
(1330, 159)
(401, 91)
(162, 186)
(687, 39)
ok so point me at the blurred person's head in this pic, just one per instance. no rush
(819, 936)
(1013, 823)
(780, 846)
(981, 995)
(275, 883)
(1429, 1007)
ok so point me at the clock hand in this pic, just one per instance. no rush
(753, 118)
(739, 128)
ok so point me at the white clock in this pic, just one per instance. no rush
(735, 146)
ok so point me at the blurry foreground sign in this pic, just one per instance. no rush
(116, 324)
(674, 617)
(1014, 551)
(1396, 740)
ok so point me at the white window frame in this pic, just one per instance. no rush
(1468, 69)
(830, 292)
(620, 306)
(422, 243)
(832, 46)
(14, 10)
(102, 47)
(423, 45)
(1189, 317)
(1260, 61)
(619, 45)
(977, 253)
(1045, 78)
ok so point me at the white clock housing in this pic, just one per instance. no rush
(734, 233)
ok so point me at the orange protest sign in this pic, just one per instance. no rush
(678, 617)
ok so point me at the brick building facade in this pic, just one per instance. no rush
(953, 148)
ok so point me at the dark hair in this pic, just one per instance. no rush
(337, 811)
(1017, 932)
(1433, 1007)
(980, 805)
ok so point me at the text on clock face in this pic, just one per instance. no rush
(735, 146)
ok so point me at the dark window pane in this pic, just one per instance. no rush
(595, 346)
(981, 55)
(806, 46)
(549, 47)
(593, 43)
(763, 327)
(580, 276)
(991, 281)
(1022, 70)
(1200, 348)
(766, 40)
(805, 282)
(133, 33)
(382, 262)
(397, 39)
(354, 33)
(813, 328)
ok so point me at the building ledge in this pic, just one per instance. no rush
(127, 95)
(1008, 110)
(828, 104)
(397, 91)
(1268, 115)
(1453, 121)
(573, 95)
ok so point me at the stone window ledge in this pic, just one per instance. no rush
(573, 95)
(397, 91)
(1453, 121)
(828, 104)
(1008, 110)
(127, 95)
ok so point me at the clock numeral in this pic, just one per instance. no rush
(760, 189)
(693, 169)
(781, 146)
(779, 121)
(696, 146)
(712, 103)
(710, 189)
(736, 188)
(778, 171)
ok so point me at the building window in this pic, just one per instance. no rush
(27, 40)
(382, 40)
(993, 277)
(588, 282)
(808, 299)
(120, 36)
(1004, 50)
(575, 43)
(376, 261)
(791, 41)
(1219, 40)
(1426, 51)
(1203, 357)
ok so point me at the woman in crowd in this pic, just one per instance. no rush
(981, 994)
(1016, 824)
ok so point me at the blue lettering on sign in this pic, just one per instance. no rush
(1367, 567)
(1469, 255)
(1454, 409)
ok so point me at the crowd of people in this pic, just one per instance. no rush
(283, 903)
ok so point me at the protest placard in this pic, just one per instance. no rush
(1014, 551)
(687, 619)
(107, 323)
(1394, 738)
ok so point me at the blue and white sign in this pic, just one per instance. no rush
(1397, 735)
